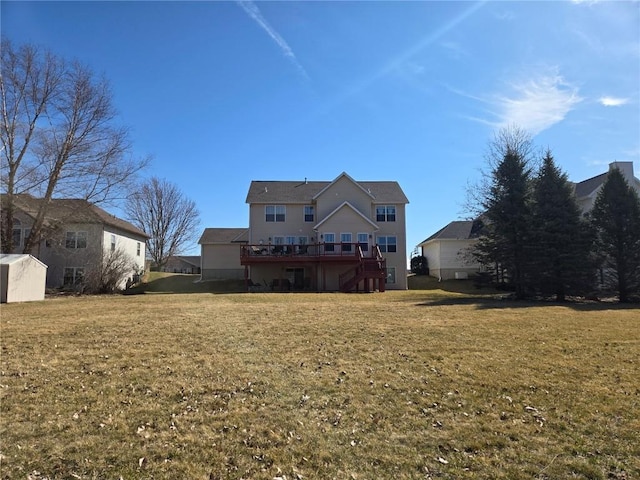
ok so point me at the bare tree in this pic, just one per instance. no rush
(59, 136)
(508, 140)
(169, 218)
(114, 271)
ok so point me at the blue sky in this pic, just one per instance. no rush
(222, 93)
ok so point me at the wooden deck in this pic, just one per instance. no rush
(366, 268)
(298, 254)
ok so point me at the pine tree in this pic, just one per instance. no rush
(616, 220)
(560, 247)
(507, 221)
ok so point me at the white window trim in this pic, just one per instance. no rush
(75, 279)
(275, 213)
(75, 239)
(386, 213)
(386, 244)
(395, 279)
(304, 213)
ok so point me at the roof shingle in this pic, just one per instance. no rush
(72, 211)
(264, 191)
(224, 235)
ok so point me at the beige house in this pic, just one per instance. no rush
(22, 278)
(340, 235)
(75, 238)
(447, 250)
(220, 253)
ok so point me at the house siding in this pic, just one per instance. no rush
(447, 257)
(221, 262)
(342, 191)
(129, 247)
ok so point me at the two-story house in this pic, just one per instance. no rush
(76, 236)
(340, 235)
(448, 250)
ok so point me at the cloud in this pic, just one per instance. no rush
(608, 101)
(254, 13)
(534, 105)
(538, 103)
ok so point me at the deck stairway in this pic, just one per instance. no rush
(368, 272)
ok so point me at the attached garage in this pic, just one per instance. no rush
(22, 278)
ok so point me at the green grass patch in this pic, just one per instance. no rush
(415, 384)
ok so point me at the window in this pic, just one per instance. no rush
(17, 237)
(76, 240)
(329, 240)
(387, 244)
(308, 213)
(138, 249)
(275, 213)
(391, 275)
(345, 240)
(386, 213)
(26, 232)
(290, 240)
(73, 276)
(113, 243)
(363, 241)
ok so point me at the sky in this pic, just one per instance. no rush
(223, 93)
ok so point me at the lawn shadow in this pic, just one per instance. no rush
(187, 283)
(504, 301)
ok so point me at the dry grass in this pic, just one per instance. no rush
(416, 384)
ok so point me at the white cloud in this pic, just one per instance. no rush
(533, 105)
(538, 103)
(254, 13)
(608, 101)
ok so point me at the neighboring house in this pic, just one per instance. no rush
(447, 250)
(183, 264)
(587, 190)
(220, 253)
(340, 235)
(76, 236)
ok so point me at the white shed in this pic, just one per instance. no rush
(22, 278)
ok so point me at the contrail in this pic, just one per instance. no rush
(252, 10)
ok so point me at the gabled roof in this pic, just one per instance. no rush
(10, 258)
(587, 187)
(590, 186)
(224, 235)
(190, 259)
(457, 230)
(351, 207)
(344, 175)
(287, 192)
(72, 211)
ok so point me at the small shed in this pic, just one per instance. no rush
(22, 278)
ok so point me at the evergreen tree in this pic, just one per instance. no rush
(507, 221)
(616, 221)
(560, 247)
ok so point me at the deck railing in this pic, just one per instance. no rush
(332, 250)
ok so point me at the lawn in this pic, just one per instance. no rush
(416, 384)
